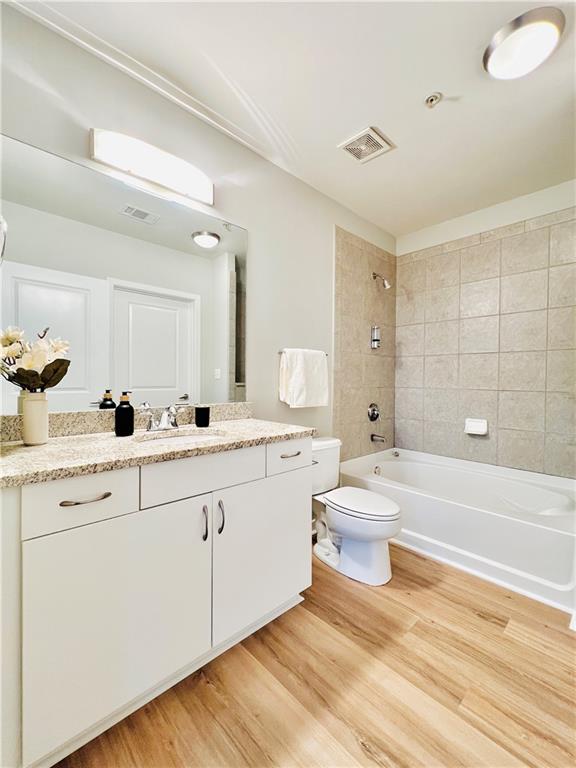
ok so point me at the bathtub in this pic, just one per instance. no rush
(509, 526)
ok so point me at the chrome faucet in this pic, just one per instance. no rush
(168, 419)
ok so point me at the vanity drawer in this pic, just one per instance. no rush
(288, 455)
(61, 504)
(182, 478)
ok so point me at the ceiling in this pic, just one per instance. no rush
(294, 80)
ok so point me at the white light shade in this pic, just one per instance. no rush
(206, 239)
(147, 162)
(524, 43)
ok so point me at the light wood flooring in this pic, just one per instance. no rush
(437, 668)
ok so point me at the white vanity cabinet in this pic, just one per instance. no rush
(109, 611)
(133, 587)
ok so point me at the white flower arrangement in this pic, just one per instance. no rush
(32, 366)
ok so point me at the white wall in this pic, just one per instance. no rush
(538, 203)
(54, 242)
(54, 92)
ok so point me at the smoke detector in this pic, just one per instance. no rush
(367, 145)
(140, 215)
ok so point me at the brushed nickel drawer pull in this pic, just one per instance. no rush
(290, 455)
(105, 495)
(205, 513)
(223, 513)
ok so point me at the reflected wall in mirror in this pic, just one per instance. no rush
(115, 271)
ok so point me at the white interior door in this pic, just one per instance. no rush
(155, 344)
(75, 308)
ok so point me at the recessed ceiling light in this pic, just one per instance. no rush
(524, 43)
(206, 239)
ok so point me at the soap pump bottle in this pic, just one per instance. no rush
(124, 417)
(107, 401)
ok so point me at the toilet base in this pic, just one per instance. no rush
(365, 561)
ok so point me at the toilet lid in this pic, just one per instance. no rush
(359, 502)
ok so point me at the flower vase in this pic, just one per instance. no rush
(35, 418)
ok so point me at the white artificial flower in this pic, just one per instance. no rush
(13, 350)
(37, 358)
(10, 335)
(59, 347)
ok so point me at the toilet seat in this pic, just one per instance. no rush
(362, 504)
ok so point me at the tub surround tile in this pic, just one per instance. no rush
(523, 331)
(461, 242)
(442, 270)
(479, 334)
(479, 371)
(478, 404)
(441, 371)
(563, 243)
(562, 286)
(562, 328)
(567, 214)
(561, 370)
(409, 340)
(440, 405)
(525, 252)
(521, 410)
(480, 262)
(409, 433)
(410, 308)
(561, 413)
(480, 298)
(442, 304)
(441, 338)
(409, 371)
(525, 291)
(441, 439)
(507, 230)
(522, 371)
(409, 403)
(521, 450)
(482, 448)
(86, 454)
(560, 455)
(411, 277)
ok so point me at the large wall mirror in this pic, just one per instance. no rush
(115, 271)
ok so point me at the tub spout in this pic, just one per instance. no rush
(377, 438)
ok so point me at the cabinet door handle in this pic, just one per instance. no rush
(223, 523)
(290, 455)
(105, 495)
(205, 513)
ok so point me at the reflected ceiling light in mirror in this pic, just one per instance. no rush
(520, 46)
(144, 161)
(206, 239)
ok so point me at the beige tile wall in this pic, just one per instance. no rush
(486, 328)
(362, 375)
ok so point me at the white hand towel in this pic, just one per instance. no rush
(303, 381)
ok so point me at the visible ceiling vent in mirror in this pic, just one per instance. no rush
(367, 145)
(139, 214)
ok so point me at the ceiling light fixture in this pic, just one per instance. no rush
(520, 46)
(206, 239)
(147, 162)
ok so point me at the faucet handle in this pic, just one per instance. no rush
(145, 405)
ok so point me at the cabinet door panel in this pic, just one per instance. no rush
(110, 610)
(262, 558)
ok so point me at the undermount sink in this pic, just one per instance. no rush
(188, 435)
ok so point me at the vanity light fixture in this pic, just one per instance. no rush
(206, 239)
(144, 161)
(520, 46)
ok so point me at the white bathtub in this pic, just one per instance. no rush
(509, 526)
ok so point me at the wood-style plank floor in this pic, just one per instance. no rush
(437, 668)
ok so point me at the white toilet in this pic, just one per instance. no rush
(353, 525)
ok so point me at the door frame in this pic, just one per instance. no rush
(194, 320)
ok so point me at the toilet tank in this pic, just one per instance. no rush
(326, 469)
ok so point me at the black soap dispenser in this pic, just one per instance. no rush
(107, 401)
(124, 417)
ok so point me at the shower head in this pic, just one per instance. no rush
(387, 285)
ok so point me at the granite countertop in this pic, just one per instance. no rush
(64, 457)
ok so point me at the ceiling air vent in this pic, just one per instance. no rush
(367, 145)
(139, 214)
